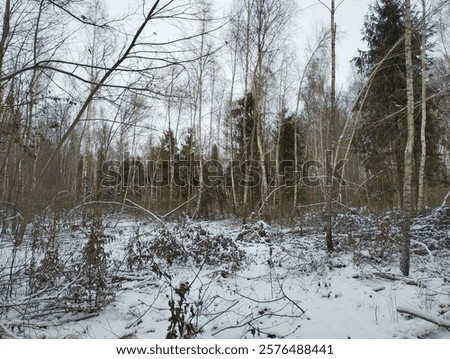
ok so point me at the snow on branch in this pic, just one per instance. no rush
(7, 332)
(444, 203)
(428, 317)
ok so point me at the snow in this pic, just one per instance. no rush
(286, 285)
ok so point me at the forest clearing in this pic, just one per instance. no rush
(199, 169)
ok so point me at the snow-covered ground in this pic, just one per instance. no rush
(259, 281)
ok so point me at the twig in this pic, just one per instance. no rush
(227, 310)
(259, 301)
(180, 206)
(146, 211)
(445, 200)
(7, 332)
(138, 320)
(290, 300)
(426, 248)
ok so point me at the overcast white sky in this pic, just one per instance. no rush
(349, 19)
(311, 14)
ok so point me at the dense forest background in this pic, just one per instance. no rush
(173, 110)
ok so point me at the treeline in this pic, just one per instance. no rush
(227, 121)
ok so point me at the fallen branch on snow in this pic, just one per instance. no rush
(428, 317)
(392, 276)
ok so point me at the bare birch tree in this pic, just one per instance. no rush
(423, 141)
(408, 206)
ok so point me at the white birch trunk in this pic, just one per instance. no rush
(407, 184)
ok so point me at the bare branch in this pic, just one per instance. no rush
(98, 86)
(81, 18)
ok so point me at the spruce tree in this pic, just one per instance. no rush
(381, 137)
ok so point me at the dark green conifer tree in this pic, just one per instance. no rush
(381, 137)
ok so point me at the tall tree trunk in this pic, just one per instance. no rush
(259, 104)
(233, 80)
(332, 131)
(3, 43)
(407, 184)
(423, 154)
(247, 157)
(199, 139)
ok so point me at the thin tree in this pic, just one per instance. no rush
(204, 57)
(423, 154)
(332, 131)
(330, 181)
(408, 173)
(316, 51)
